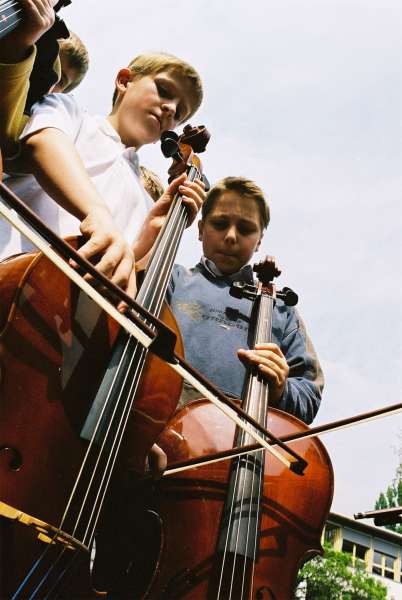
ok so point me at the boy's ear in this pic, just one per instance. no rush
(122, 80)
(258, 245)
(200, 230)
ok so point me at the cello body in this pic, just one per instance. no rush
(190, 506)
(55, 345)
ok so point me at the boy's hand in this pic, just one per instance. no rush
(117, 258)
(272, 364)
(37, 19)
(193, 193)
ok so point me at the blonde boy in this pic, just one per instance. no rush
(86, 168)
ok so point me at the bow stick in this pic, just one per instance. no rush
(378, 413)
(143, 333)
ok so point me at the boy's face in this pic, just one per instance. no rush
(231, 232)
(68, 74)
(148, 106)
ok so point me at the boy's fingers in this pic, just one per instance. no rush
(193, 195)
(93, 246)
(172, 187)
(123, 271)
(131, 291)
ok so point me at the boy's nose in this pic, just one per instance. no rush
(168, 113)
(231, 234)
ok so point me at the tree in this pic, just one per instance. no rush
(392, 496)
(332, 577)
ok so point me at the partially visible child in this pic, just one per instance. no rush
(17, 59)
(74, 61)
(212, 322)
(152, 183)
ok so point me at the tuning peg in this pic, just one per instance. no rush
(239, 289)
(289, 297)
(169, 143)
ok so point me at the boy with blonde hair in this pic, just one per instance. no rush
(74, 63)
(86, 168)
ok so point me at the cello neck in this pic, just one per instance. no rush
(157, 275)
(255, 397)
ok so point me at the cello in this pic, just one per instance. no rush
(239, 531)
(52, 363)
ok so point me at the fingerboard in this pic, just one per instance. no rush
(11, 14)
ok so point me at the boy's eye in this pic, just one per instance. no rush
(163, 91)
(246, 229)
(219, 224)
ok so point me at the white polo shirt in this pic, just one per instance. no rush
(112, 167)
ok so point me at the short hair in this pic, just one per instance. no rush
(245, 188)
(153, 63)
(76, 53)
(152, 184)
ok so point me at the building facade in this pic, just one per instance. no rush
(379, 548)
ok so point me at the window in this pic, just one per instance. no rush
(357, 551)
(384, 565)
(330, 533)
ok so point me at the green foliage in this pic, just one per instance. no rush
(332, 578)
(391, 499)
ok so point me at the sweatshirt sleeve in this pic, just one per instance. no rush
(302, 394)
(14, 85)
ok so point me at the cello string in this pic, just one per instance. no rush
(119, 433)
(12, 24)
(265, 333)
(236, 473)
(255, 407)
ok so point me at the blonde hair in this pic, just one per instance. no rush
(155, 62)
(76, 53)
(246, 188)
(152, 184)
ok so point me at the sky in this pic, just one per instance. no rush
(306, 99)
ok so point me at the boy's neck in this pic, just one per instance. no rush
(212, 268)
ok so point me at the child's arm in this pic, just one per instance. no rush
(17, 56)
(271, 362)
(193, 194)
(54, 161)
(293, 371)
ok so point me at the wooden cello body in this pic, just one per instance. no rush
(52, 358)
(191, 508)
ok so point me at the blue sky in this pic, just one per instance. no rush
(305, 98)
